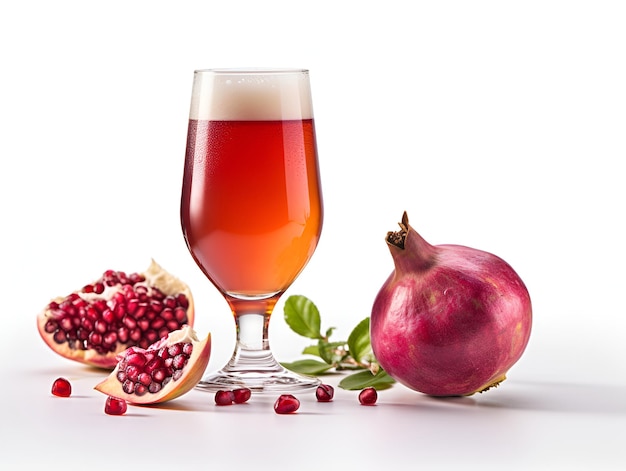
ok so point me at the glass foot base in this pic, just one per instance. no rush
(275, 382)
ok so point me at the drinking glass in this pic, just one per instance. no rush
(251, 206)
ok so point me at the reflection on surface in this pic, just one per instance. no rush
(530, 396)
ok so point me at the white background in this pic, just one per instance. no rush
(497, 125)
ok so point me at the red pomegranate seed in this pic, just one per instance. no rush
(145, 379)
(132, 305)
(135, 335)
(224, 398)
(110, 338)
(182, 300)
(61, 387)
(114, 406)
(151, 336)
(128, 386)
(175, 349)
(242, 395)
(156, 305)
(136, 359)
(324, 393)
(122, 334)
(368, 396)
(172, 325)
(180, 314)
(129, 322)
(132, 372)
(136, 278)
(143, 323)
(286, 404)
(153, 365)
(169, 302)
(95, 338)
(157, 323)
(160, 374)
(180, 361)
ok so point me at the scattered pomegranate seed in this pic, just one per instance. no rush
(242, 395)
(115, 406)
(224, 398)
(61, 387)
(286, 404)
(324, 393)
(368, 396)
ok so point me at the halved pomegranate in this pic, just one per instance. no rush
(164, 371)
(92, 325)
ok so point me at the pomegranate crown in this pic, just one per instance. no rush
(398, 238)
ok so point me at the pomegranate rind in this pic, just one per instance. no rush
(155, 276)
(192, 373)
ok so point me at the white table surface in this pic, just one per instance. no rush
(529, 422)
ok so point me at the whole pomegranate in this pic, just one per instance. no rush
(95, 323)
(450, 320)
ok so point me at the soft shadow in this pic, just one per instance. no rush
(598, 399)
(133, 414)
(69, 369)
(454, 400)
(181, 404)
(558, 397)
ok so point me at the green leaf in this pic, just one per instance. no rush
(307, 367)
(303, 317)
(364, 379)
(312, 350)
(359, 343)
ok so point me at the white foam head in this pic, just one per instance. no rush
(251, 94)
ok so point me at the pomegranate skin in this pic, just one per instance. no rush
(450, 320)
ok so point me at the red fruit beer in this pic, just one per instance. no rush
(251, 207)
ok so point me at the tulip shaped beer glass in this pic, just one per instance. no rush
(251, 206)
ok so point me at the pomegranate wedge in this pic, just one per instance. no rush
(92, 325)
(164, 371)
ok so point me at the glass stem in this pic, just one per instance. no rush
(253, 365)
(252, 332)
(252, 348)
